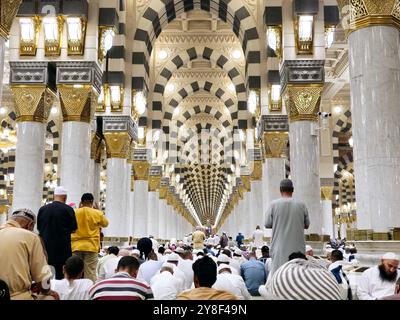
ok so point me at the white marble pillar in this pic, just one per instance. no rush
(29, 160)
(375, 81)
(130, 211)
(273, 174)
(116, 202)
(343, 230)
(152, 223)
(96, 181)
(129, 198)
(141, 217)
(257, 204)
(162, 219)
(75, 158)
(327, 218)
(248, 220)
(304, 170)
(3, 218)
(240, 217)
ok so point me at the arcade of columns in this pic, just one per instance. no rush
(113, 144)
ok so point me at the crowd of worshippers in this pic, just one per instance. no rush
(64, 260)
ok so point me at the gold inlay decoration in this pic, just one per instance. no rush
(117, 144)
(141, 169)
(303, 102)
(256, 174)
(358, 14)
(154, 183)
(96, 148)
(326, 193)
(8, 11)
(77, 102)
(163, 192)
(246, 183)
(275, 144)
(32, 103)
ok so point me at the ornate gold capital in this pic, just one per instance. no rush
(275, 144)
(302, 102)
(117, 144)
(256, 174)
(246, 183)
(141, 169)
(96, 148)
(77, 102)
(326, 193)
(32, 103)
(358, 14)
(163, 192)
(154, 183)
(8, 11)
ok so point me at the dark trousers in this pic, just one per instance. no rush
(58, 269)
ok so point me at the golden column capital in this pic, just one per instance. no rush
(163, 192)
(32, 103)
(96, 148)
(8, 11)
(326, 193)
(303, 101)
(275, 144)
(140, 169)
(154, 183)
(256, 173)
(77, 102)
(117, 144)
(365, 13)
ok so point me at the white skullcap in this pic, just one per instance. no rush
(136, 251)
(390, 256)
(173, 257)
(60, 191)
(223, 266)
(308, 248)
(223, 258)
(168, 265)
(238, 251)
(179, 250)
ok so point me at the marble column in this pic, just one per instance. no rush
(2, 53)
(96, 154)
(32, 106)
(153, 207)
(76, 105)
(302, 100)
(117, 146)
(256, 201)
(161, 219)
(141, 212)
(275, 146)
(375, 81)
(327, 215)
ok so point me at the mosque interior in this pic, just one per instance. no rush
(183, 113)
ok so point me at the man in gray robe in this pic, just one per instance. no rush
(288, 218)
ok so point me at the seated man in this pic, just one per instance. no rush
(254, 274)
(72, 287)
(379, 281)
(164, 285)
(123, 285)
(231, 283)
(336, 267)
(205, 275)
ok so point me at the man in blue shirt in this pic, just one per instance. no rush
(253, 274)
(239, 239)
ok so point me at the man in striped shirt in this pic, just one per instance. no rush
(123, 285)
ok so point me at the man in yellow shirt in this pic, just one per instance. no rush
(86, 239)
(198, 238)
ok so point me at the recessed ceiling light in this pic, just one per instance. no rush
(236, 54)
(170, 87)
(54, 110)
(3, 110)
(231, 87)
(162, 54)
(337, 109)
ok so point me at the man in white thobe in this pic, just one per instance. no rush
(232, 283)
(379, 281)
(258, 236)
(164, 285)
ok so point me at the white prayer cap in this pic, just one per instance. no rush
(136, 251)
(179, 250)
(173, 257)
(308, 248)
(390, 256)
(168, 265)
(60, 191)
(223, 266)
(223, 258)
(238, 251)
